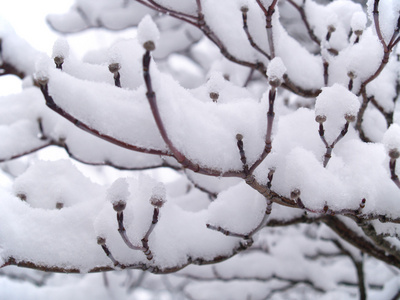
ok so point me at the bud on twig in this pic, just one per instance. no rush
(101, 241)
(149, 46)
(214, 96)
(295, 194)
(118, 193)
(320, 119)
(275, 72)
(351, 75)
(119, 206)
(42, 80)
(156, 201)
(358, 32)
(59, 60)
(148, 33)
(350, 118)
(158, 198)
(114, 67)
(394, 153)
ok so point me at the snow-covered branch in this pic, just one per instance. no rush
(277, 120)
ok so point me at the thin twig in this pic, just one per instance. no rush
(304, 18)
(52, 105)
(162, 9)
(268, 135)
(145, 239)
(179, 156)
(249, 36)
(102, 242)
(393, 175)
(122, 232)
(268, 17)
(329, 148)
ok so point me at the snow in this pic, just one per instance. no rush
(148, 31)
(276, 69)
(61, 48)
(336, 100)
(391, 138)
(388, 15)
(337, 104)
(43, 65)
(358, 21)
(52, 212)
(229, 209)
(118, 191)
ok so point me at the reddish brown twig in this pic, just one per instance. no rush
(52, 105)
(387, 49)
(179, 156)
(268, 17)
(270, 123)
(394, 155)
(244, 10)
(302, 13)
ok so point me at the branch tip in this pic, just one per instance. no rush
(394, 153)
(320, 119)
(119, 206)
(149, 46)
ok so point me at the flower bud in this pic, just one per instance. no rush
(394, 153)
(114, 67)
(350, 118)
(214, 96)
(101, 241)
(295, 194)
(239, 137)
(119, 205)
(320, 119)
(149, 46)
(156, 201)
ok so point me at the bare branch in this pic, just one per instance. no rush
(244, 10)
(304, 18)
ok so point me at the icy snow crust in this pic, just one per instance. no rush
(203, 130)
